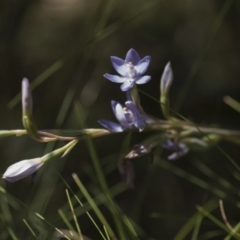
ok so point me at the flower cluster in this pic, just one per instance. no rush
(129, 117)
(173, 134)
(131, 70)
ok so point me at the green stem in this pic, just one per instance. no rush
(49, 135)
(59, 151)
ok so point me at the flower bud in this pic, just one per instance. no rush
(22, 169)
(165, 84)
(27, 105)
(26, 98)
(166, 79)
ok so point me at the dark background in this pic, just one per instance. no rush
(64, 48)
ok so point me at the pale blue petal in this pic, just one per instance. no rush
(115, 78)
(120, 65)
(131, 106)
(132, 56)
(139, 119)
(140, 124)
(127, 85)
(119, 113)
(111, 126)
(113, 104)
(143, 79)
(142, 65)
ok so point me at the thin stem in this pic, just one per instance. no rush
(55, 134)
(224, 217)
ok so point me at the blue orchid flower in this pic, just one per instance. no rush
(128, 117)
(180, 149)
(130, 69)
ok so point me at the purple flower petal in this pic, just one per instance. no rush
(120, 65)
(127, 84)
(143, 65)
(113, 104)
(111, 126)
(132, 56)
(139, 119)
(131, 106)
(119, 113)
(115, 78)
(143, 79)
(180, 149)
(140, 124)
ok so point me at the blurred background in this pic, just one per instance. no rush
(63, 47)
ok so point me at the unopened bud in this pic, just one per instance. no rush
(165, 84)
(22, 169)
(26, 98)
(166, 79)
(27, 105)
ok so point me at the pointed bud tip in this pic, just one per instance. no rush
(25, 79)
(114, 103)
(132, 51)
(168, 66)
(25, 84)
(166, 79)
